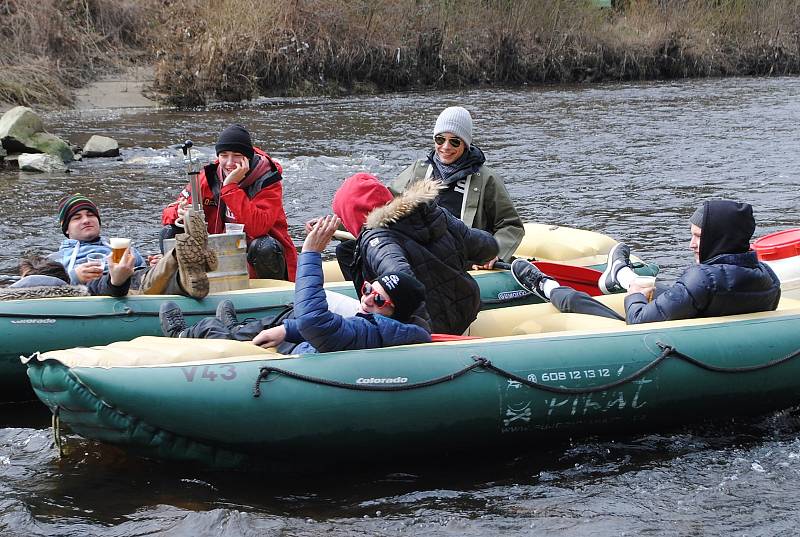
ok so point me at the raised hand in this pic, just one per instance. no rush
(238, 173)
(122, 271)
(321, 234)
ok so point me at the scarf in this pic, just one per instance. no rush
(469, 163)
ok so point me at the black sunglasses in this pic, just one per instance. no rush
(454, 142)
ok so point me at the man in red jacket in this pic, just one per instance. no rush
(243, 186)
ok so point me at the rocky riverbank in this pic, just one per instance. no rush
(25, 144)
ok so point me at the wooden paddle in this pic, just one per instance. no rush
(341, 235)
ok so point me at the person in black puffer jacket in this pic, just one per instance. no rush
(412, 234)
(727, 279)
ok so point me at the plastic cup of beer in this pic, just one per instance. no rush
(646, 282)
(96, 258)
(118, 247)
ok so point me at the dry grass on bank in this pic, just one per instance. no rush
(238, 49)
(50, 46)
(705, 38)
(229, 50)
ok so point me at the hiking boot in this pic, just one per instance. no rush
(171, 317)
(529, 277)
(226, 313)
(194, 257)
(619, 257)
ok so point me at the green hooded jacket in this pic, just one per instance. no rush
(486, 205)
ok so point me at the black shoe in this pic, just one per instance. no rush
(226, 313)
(529, 277)
(618, 258)
(171, 317)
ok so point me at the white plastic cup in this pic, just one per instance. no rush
(118, 247)
(646, 282)
(231, 228)
(96, 258)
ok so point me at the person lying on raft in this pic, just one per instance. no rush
(182, 270)
(726, 279)
(412, 234)
(42, 278)
(387, 316)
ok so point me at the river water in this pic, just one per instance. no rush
(629, 160)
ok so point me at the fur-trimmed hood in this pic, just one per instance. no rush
(25, 293)
(419, 193)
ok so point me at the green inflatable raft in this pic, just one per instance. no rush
(526, 375)
(45, 324)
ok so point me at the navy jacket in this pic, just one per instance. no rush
(412, 234)
(729, 279)
(321, 330)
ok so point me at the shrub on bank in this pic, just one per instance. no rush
(50, 46)
(231, 50)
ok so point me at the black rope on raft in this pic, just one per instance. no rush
(743, 369)
(56, 424)
(266, 371)
(480, 362)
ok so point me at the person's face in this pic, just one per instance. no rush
(83, 226)
(447, 150)
(694, 244)
(229, 160)
(370, 305)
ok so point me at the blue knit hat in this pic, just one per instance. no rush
(457, 121)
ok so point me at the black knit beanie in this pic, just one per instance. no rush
(235, 138)
(406, 292)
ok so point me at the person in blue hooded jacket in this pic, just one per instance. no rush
(726, 279)
(183, 270)
(387, 316)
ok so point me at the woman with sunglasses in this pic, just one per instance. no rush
(388, 312)
(474, 192)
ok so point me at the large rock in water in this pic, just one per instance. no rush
(40, 162)
(22, 131)
(101, 146)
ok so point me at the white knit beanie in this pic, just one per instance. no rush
(456, 120)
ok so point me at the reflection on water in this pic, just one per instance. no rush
(631, 161)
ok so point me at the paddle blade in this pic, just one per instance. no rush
(579, 278)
